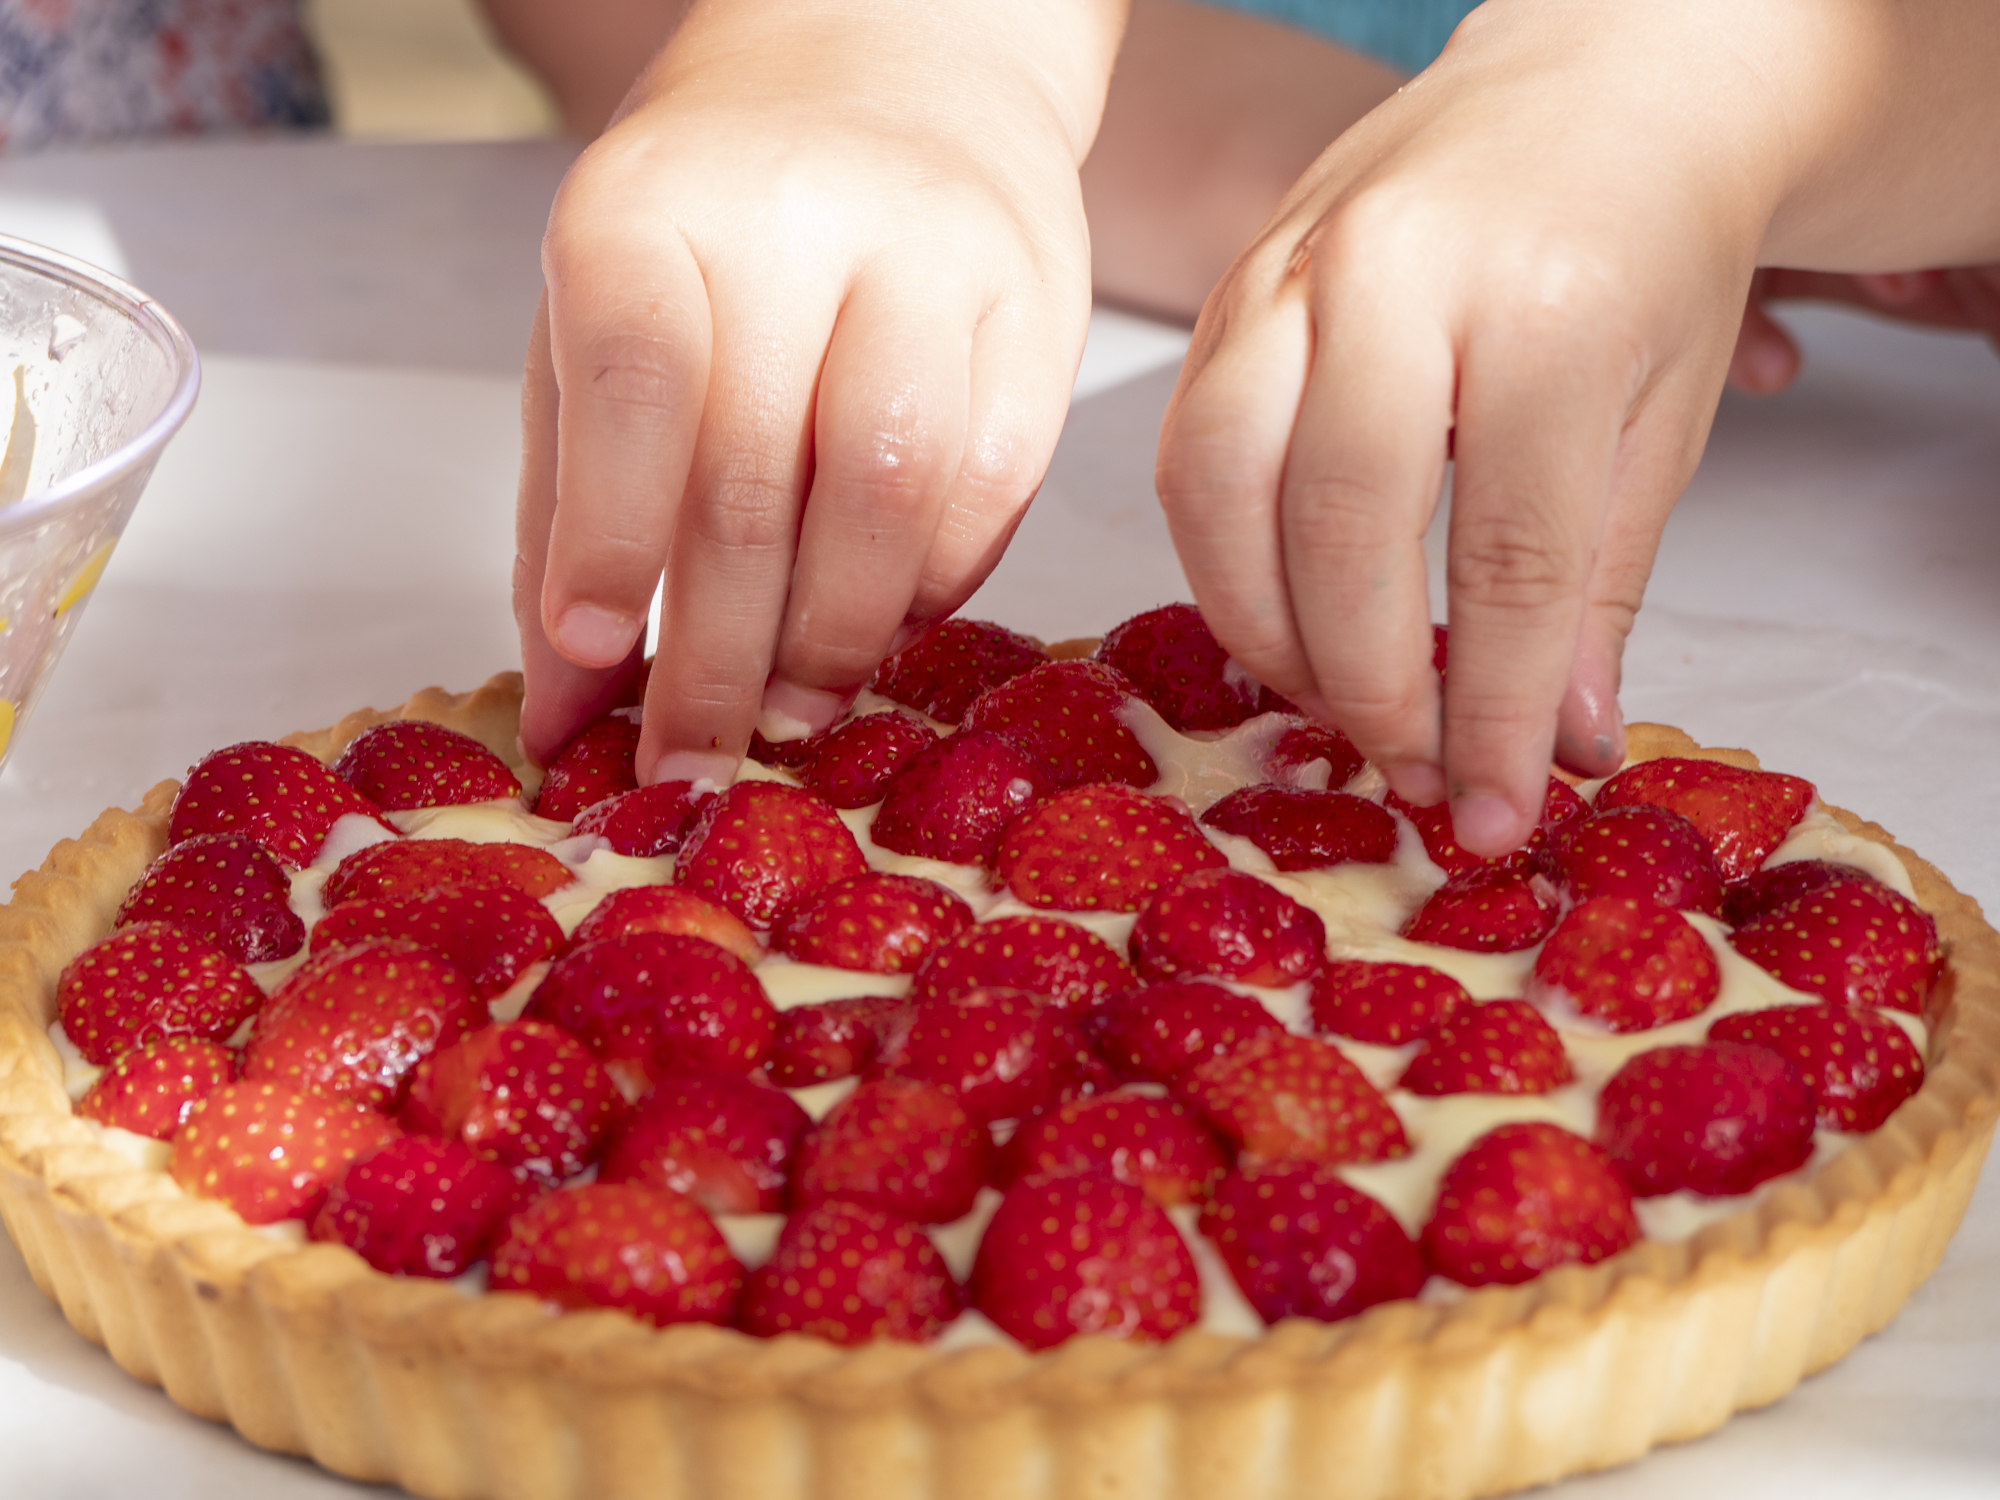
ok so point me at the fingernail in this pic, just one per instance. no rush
(791, 712)
(1484, 824)
(593, 636)
(705, 771)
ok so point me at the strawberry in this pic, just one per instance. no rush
(1065, 716)
(1156, 1145)
(279, 796)
(789, 755)
(1302, 746)
(951, 800)
(1178, 666)
(1440, 647)
(883, 924)
(850, 1274)
(268, 1151)
(1524, 1199)
(1560, 804)
(382, 872)
(1160, 1032)
(1063, 963)
(941, 674)
(595, 765)
(1631, 964)
(642, 1250)
(658, 1003)
(355, 1021)
(1638, 851)
(1386, 1004)
(1495, 1047)
(833, 1039)
(1078, 1255)
(1488, 909)
(1715, 1118)
(1002, 1052)
(151, 981)
(761, 847)
(521, 1093)
(418, 1207)
(1859, 1064)
(1229, 924)
(1766, 890)
(668, 908)
(647, 821)
(1100, 848)
(1849, 944)
(1284, 1097)
(724, 1141)
(152, 1089)
(899, 1145)
(1302, 830)
(412, 763)
(853, 763)
(490, 934)
(1300, 1243)
(1743, 815)
(225, 888)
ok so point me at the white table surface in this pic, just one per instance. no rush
(332, 529)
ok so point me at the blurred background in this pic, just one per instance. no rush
(423, 70)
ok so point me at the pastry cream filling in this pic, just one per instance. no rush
(1362, 906)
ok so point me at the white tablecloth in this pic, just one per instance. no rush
(324, 535)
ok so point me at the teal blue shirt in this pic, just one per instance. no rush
(1406, 34)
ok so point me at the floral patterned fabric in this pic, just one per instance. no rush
(74, 71)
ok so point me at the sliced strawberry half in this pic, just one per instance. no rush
(268, 1151)
(726, 1142)
(151, 981)
(1714, 1118)
(1231, 925)
(1859, 1064)
(761, 847)
(1302, 830)
(1065, 964)
(849, 1275)
(1849, 944)
(1065, 1256)
(1301, 1243)
(1004, 1053)
(1302, 746)
(656, 1003)
(1065, 716)
(226, 888)
(951, 800)
(1385, 1004)
(1766, 890)
(1101, 848)
(642, 1250)
(525, 1094)
(413, 763)
(1157, 1145)
(1524, 1199)
(413, 1206)
(355, 1021)
(900, 1145)
(1163, 1030)
(1433, 824)
(853, 763)
(958, 660)
(1639, 851)
(490, 934)
(151, 1090)
(1170, 656)
(1743, 815)
(595, 765)
(788, 755)
(1280, 1097)
(834, 1038)
(279, 796)
(668, 908)
(1487, 909)
(647, 821)
(1492, 1047)
(881, 924)
(408, 867)
(1629, 963)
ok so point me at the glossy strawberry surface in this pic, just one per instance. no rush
(848, 1274)
(522, 1093)
(1280, 1097)
(409, 867)
(897, 1144)
(1305, 830)
(670, 909)
(1490, 1047)
(1301, 1243)
(725, 1141)
(1065, 717)
(832, 1039)
(409, 763)
(1640, 851)
(1229, 925)
(941, 674)
(1385, 1004)
(150, 981)
(1100, 848)
(1161, 1031)
(1560, 805)
(226, 888)
(1742, 814)
(1714, 1118)
(151, 1089)
(268, 1151)
(853, 763)
(1523, 1199)
(762, 847)
(880, 924)
(1859, 1064)
(1002, 1053)
(1487, 909)
(277, 795)
(490, 934)
(952, 800)
(1626, 962)
(641, 1250)
(1176, 664)
(1058, 960)
(595, 765)
(415, 1206)
(1849, 944)
(1157, 1145)
(647, 821)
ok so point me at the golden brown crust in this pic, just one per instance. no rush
(307, 1350)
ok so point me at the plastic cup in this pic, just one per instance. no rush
(95, 376)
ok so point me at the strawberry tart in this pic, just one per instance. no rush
(1071, 1074)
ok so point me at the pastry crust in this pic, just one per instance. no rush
(307, 1350)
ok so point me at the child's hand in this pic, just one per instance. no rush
(815, 303)
(1766, 359)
